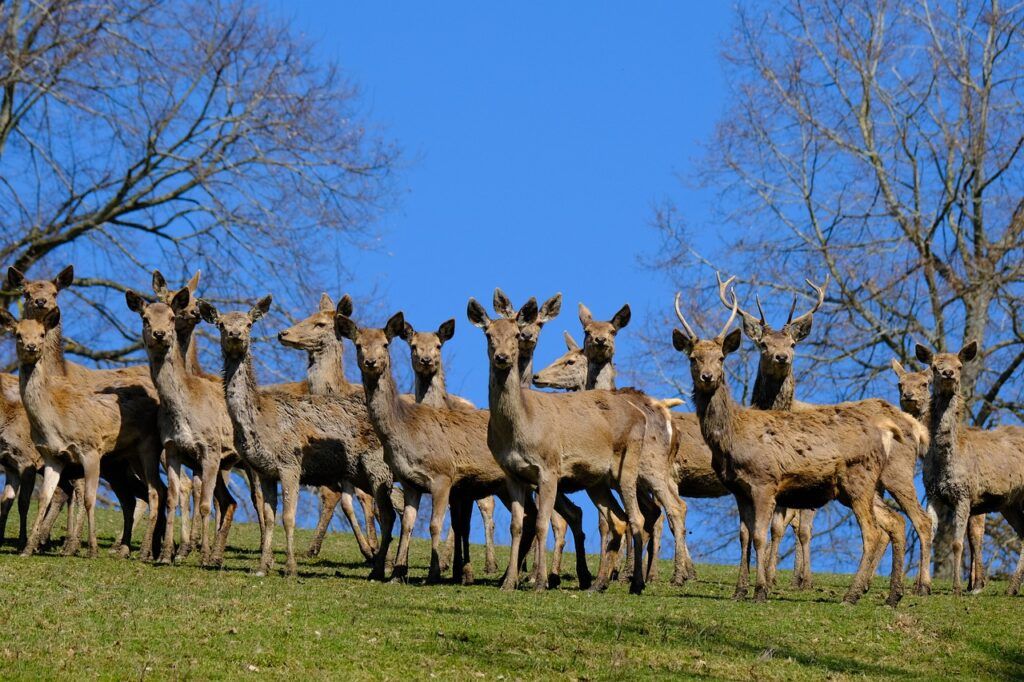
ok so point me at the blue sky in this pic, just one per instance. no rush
(536, 141)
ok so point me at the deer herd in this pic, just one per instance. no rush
(634, 457)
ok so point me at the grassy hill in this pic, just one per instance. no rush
(123, 619)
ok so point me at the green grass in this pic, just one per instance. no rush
(110, 618)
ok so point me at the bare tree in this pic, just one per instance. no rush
(879, 143)
(142, 132)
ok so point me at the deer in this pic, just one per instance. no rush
(39, 298)
(567, 514)
(74, 422)
(325, 375)
(970, 471)
(19, 458)
(429, 388)
(800, 459)
(915, 390)
(296, 439)
(436, 450)
(194, 424)
(584, 440)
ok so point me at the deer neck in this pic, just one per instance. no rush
(773, 393)
(717, 414)
(38, 381)
(505, 399)
(525, 369)
(52, 357)
(242, 397)
(430, 388)
(324, 371)
(170, 377)
(387, 413)
(946, 425)
(188, 349)
(600, 375)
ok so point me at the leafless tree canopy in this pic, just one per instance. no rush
(879, 143)
(186, 134)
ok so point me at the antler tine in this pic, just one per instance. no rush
(820, 291)
(732, 317)
(723, 287)
(682, 320)
(792, 309)
(757, 299)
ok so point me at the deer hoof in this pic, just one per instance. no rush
(761, 595)
(636, 588)
(554, 580)
(467, 575)
(894, 598)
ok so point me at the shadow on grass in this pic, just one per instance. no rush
(1004, 660)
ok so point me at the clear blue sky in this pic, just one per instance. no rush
(536, 141)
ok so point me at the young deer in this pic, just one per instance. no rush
(297, 439)
(915, 390)
(325, 375)
(74, 423)
(970, 471)
(434, 450)
(800, 459)
(580, 440)
(773, 390)
(430, 389)
(194, 424)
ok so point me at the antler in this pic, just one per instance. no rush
(820, 291)
(735, 309)
(723, 287)
(682, 320)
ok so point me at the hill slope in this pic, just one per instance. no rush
(124, 619)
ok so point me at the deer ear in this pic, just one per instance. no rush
(345, 328)
(732, 341)
(208, 311)
(476, 314)
(570, 343)
(681, 342)
(64, 278)
(326, 303)
(52, 319)
(15, 278)
(550, 309)
(897, 367)
(181, 299)
(7, 321)
(800, 328)
(968, 352)
(923, 353)
(193, 283)
(395, 325)
(621, 318)
(345, 306)
(528, 313)
(407, 332)
(159, 284)
(261, 308)
(135, 302)
(753, 328)
(502, 304)
(447, 330)
(585, 316)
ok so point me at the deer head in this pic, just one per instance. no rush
(425, 347)
(316, 332)
(235, 327)
(29, 333)
(39, 295)
(504, 334)
(946, 368)
(707, 356)
(529, 332)
(159, 320)
(599, 337)
(372, 345)
(187, 317)
(915, 389)
(568, 372)
(777, 348)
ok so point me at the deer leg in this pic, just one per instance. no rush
(1015, 517)
(805, 527)
(227, 505)
(465, 524)
(780, 522)
(961, 515)
(604, 531)
(746, 512)
(289, 507)
(411, 505)
(386, 513)
(12, 485)
(517, 500)
(76, 518)
(329, 499)
(447, 546)
(366, 504)
(255, 495)
(895, 529)
(547, 491)
(269, 488)
(863, 507)
(976, 541)
(91, 469)
(607, 509)
(486, 507)
(628, 491)
(652, 519)
(28, 484)
(906, 498)
(675, 510)
(440, 493)
(51, 477)
(559, 527)
(210, 472)
(572, 515)
(763, 504)
(173, 466)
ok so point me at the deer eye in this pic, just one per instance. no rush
(320, 325)
(571, 362)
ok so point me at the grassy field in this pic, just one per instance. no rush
(110, 618)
